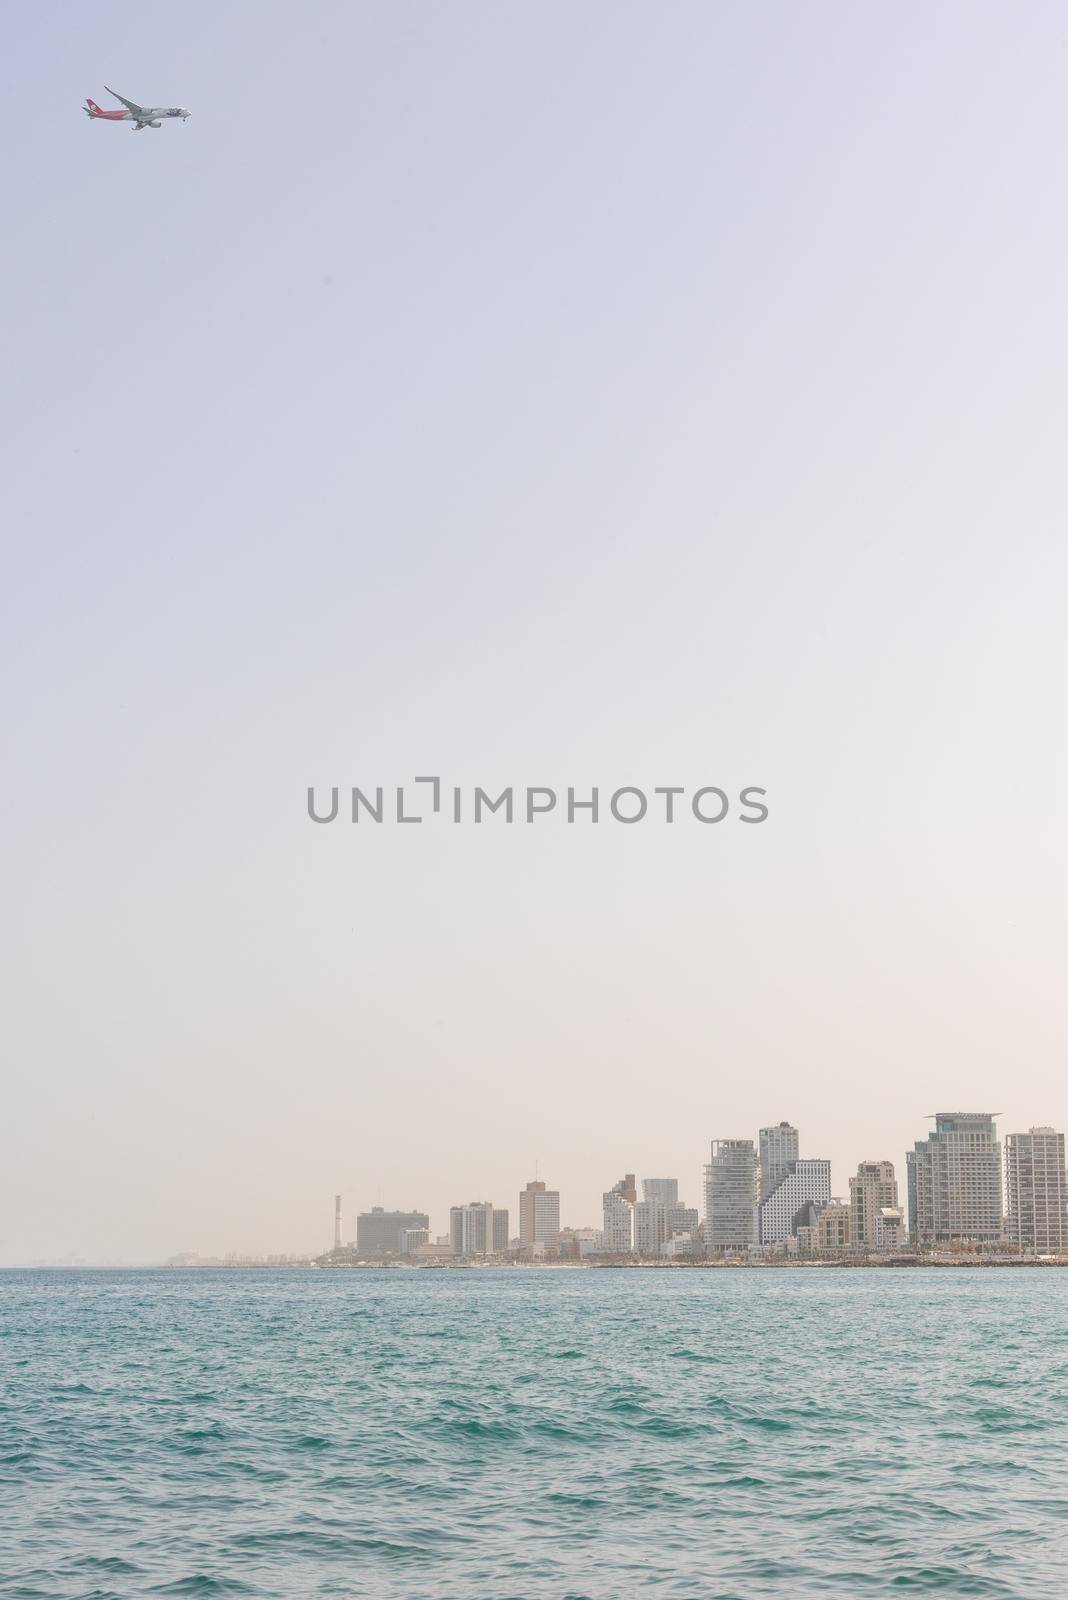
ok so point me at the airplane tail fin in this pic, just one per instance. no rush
(91, 108)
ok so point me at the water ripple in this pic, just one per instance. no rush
(533, 1435)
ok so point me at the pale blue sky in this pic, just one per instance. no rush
(552, 394)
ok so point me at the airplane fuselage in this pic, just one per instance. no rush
(143, 117)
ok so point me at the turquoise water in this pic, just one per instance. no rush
(488, 1435)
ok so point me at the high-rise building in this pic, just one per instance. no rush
(778, 1147)
(478, 1229)
(378, 1232)
(796, 1201)
(471, 1228)
(731, 1189)
(539, 1214)
(650, 1227)
(658, 1216)
(1036, 1187)
(954, 1180)
(666, 1190)
(874, 1187)
(681, 1219)
(618, 1206)
(412, 1238)
(834, 1226)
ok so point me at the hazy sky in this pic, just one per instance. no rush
(530, 394)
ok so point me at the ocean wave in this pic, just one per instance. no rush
(777, 1437)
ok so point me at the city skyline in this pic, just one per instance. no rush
(963, 1183)
(1022, 1146)
(875, 1183)
(1017, 1178)
(775, 1195)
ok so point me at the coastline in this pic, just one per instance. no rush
(938, 1263)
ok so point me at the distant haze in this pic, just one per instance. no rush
(549, 394)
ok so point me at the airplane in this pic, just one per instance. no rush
(140, 116)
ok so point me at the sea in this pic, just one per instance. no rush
(524, 1433)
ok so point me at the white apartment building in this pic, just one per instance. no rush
(954, 1180)
(1036, 1190)
(619, 1206)
(650, 1227)
(801, 1193)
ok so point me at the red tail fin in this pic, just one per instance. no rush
(91, 105)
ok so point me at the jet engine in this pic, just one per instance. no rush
(155, 124)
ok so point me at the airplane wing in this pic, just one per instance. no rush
(129, 104)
